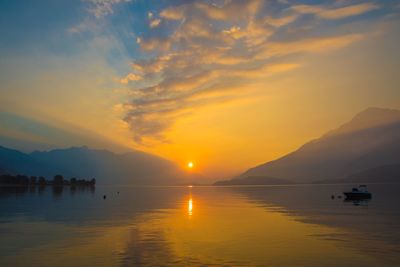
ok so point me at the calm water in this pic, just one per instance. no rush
(199, 226)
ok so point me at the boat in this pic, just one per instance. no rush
(358, 193)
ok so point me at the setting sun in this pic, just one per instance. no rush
(201, 132)
(190, 165)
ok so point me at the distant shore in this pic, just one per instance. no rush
(58, 180)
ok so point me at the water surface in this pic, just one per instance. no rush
(198, 226)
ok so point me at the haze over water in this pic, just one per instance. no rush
(199, 226)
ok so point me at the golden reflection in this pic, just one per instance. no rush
(190, 206)
(190, 202)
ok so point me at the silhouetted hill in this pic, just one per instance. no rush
(107, 167)
(385, 173)
(367, 119)
(15, 162)
(380, 174)
(370, 139)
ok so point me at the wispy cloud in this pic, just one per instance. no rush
(130, 77)
(101, 8)
(335, 13)
(154, 23)
(96, 10)
(207, 53)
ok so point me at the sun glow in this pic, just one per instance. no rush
(190, 165)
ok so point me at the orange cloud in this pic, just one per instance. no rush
(216, 48)
(130, 77)
(173, 13)
(154, 23)
(335, 13)
(311, 45)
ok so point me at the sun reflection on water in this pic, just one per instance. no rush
(190, 202)
(190, 206)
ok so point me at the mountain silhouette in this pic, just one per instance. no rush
(107, 167)
(370, 140)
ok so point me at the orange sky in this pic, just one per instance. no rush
(194, 83)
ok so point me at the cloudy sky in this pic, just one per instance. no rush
(226, 84)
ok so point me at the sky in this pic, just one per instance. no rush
(224, 84)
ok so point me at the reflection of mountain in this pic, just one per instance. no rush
(371, 139)
(129, 168)
(371, 227)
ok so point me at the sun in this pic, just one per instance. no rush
(190, 165)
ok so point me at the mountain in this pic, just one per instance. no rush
(254, 180)
(371, 139)
(382, 174)
(15, 162)
(107, 167)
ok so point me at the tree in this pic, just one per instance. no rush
(42, 180)
(33, 180)
(73, 181)
(93, 181)
(58, 180)
(22, 179)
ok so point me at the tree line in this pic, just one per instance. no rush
(58, 180)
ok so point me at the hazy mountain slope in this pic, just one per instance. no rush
(13, 162)
(370, 139)
(389, 173)
(369, 118)
(384, 173)
(107, 167)
(254, 180)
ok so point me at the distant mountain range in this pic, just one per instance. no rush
(365, 149)
(107, 167)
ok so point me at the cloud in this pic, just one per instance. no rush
(335, 13)
(154, 23)
(310, 45)
(231, 10)
(173, 13)
(211, 53)
(130, 77)
(162, 44)
(280, 21)
(101, 8)
(98, 9)
(86, 25)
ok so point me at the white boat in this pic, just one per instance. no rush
(358, 193)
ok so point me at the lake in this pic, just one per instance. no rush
(198, 226)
